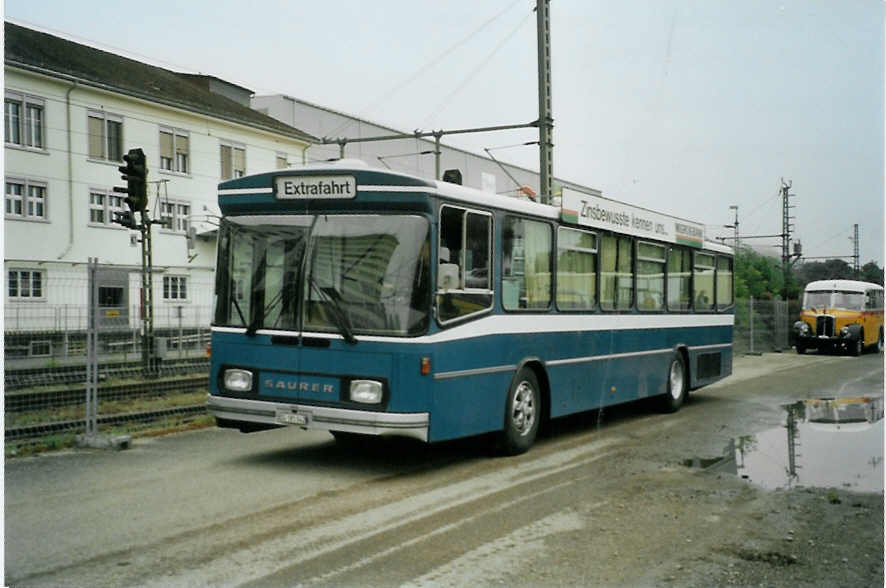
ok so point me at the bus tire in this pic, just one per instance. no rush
(677, 384)
(522, 414)
(880, 341)
(856, 347)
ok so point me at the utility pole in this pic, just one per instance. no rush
(855, 256)
(787, 260)
(734, 226)
(545, 118)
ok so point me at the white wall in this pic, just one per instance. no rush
(46, 244)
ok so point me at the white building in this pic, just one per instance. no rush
(71, 112)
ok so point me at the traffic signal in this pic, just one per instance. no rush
(125, 218)
(135, 172)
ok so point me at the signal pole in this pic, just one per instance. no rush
(135, 173)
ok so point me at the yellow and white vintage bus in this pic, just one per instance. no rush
(842, 315)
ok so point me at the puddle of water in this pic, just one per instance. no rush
(828, 442)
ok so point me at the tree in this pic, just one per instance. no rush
(757, 275)
(871, 272)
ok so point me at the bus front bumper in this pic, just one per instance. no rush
(242, 411)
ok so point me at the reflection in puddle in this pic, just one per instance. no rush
(823, 443)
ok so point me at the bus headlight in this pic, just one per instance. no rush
(366, 391)
(804, 329)
(844, 332)
(238, 380)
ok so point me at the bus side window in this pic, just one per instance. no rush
(526, 264)
(724, 282)
(703, 282)
(679, 279)
(463, 278)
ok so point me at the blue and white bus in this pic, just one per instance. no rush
(363, 301)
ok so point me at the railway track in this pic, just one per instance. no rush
(17, 379)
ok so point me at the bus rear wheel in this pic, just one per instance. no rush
(677, 384)
(522, 414)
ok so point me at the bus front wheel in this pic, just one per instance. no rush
(677, 384)
(522, 414)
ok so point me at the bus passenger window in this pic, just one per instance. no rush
(650, 276)
(724, 282)
(616, 275)
(703, 284)
(526, 264)
(679, 279)
(576, 270)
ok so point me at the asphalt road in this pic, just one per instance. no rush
(603, 498)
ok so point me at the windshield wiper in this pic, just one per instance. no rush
(339, 317)
(239, 310)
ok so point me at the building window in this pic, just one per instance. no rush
(233, 161)
(103, 205)
(282, 161)
(25, 199)
(105, 136)
(25, 121)
(25, 284)
(175, 288)
(174, 150)
(175, 216)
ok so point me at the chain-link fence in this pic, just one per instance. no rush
(58, 386)
(762, 326)
(46, 313)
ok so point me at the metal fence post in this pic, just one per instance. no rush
(92, 353)
(751, 321)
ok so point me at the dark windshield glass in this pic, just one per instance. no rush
(366, 274)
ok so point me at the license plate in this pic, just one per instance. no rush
(292, 418)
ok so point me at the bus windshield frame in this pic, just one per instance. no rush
(350, 274)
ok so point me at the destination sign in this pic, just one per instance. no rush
(601, 213)
(315, 187)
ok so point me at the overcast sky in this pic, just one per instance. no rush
(686, 107)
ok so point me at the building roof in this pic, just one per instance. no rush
(50, 55)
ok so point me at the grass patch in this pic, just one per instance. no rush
(105, 407)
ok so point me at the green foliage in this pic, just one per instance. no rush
(871, 272)
(757, 275)
(761, 277)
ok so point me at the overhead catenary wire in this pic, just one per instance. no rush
(426, 67)
(470, 76)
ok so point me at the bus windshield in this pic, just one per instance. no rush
(346, 274)
(834, 299)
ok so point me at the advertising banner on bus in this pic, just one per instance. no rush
(601, 213)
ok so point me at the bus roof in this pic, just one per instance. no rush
(841, 285)
(370, 179)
